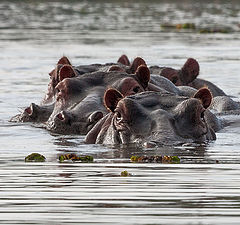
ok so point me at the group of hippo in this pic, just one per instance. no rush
(123, 103)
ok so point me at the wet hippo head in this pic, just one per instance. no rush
(82, 96)
(73, 114)
(34, 113)
(186, 75)
(134, 84)
(73, 122)
(132, 119)
(189, 116)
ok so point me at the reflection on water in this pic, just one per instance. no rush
(202, 189)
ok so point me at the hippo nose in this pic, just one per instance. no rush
(32, 109)
(62, 116)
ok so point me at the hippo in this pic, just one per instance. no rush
(79, 99)
(162, 118)
(34, 113)
(224, 104)
(57, 75)
(40, 113)
(79, 117)
(187, 76)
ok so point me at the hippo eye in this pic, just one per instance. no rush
(118, 116)
(202, 115)
(174, 80)
(136, 89)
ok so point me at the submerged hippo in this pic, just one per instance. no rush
(59, 73)
(159, 117)
(187, 76)
(79, 100)
(41, 113)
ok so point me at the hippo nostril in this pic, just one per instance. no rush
(28, 110)
(60, 116)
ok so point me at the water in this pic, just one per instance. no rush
(202, 189)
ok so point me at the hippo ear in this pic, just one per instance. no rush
(115, 68)
(66, 72)
(111, 99)
(143, 75)
(124, 60)
(64, 61)
(205, 96)
(136, 63)
(190, 70)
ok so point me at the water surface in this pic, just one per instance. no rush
(202, 189)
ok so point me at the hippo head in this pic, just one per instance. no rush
(130, 121)
(186, 75)
(73, 113)
(61, 71)
(73, 122)
(34, 113)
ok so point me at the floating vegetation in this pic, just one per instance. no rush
(155, 159)
(186, 26)
(125, 173)
(209, 30)
(74, 158)
(179, 26)
(35, 157)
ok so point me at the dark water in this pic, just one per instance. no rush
(202, 189)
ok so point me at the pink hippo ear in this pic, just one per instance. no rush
(111, 99)
(143, 75)
(115, 68)
(124, 60)
(205, 97)
(190, 70)
(136, 63)
(64, 61)
(66, 72)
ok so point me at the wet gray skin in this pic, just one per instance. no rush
(34, 113)
(163, 83)
(223, 104)
(80, 117)
(162, 118)
(79, 100)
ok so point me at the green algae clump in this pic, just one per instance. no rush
(74, 158)
(155, 159)
(125, 173)
(35, 157)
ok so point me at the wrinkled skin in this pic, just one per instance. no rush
(187, 76)
(162, 118)
(79, 100)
